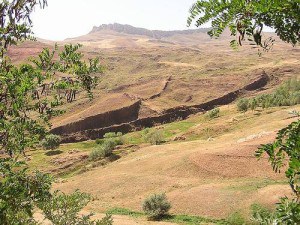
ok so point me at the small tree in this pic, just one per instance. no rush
(156, 206)
(243, 105)
(25, 117)
(153, 136)
(51, 142)
(214, 113)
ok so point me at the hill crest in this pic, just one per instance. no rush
(157, 34)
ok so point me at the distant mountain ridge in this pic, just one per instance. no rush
(158, 34)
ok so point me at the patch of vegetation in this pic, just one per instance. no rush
(125, 212)
(234, 219)
(214, 113)
(51, 142)
(179, 219)
(63, 209)
(117, 138)
(106, 145)
(153, 136)
(261, 215)
(287, 94)
(243, 105)
(156, 206)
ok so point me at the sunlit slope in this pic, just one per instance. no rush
(208, 176)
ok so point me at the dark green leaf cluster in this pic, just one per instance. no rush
(62, 209)
(286, 149)
(15, 22)
(29, 97)
(21, 193)
(246, 18)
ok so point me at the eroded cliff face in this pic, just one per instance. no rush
(127, 119)
(114, 117)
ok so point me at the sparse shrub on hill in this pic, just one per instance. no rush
(116, 138)
(51, 142)
(154, 136)
(235, 219)
(156, 206)
(243, 105)
(287, 94)
(102, 151)
(214, 113)
(106, 146)
(112, 135)
(99, 141)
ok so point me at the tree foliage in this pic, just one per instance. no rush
(29, 98)
(247, 18)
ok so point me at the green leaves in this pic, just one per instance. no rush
(248, 17)
(20, 191)
(286, 147)
(62, 209)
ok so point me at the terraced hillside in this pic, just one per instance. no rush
(149, 76)
(168, 81)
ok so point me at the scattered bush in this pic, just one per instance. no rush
(235, 219)
(106, 146)
(214, 113)
(156, 206)
(287, 94)
(51, 142)
(102, 151)
(99, 141)
(243, 105)
(112, 135)
(154, 137)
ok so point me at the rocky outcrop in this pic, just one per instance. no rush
(118, 116)
(126, 119)
(157, 34)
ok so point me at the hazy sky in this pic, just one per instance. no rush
(71, 18)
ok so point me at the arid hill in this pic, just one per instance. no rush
(206, 166)
(158, 72)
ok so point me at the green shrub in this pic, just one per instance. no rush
(117, 138)
(96, 154)
(243, 105)
(285, 95)
(156, 206)
(51, 142)
(99, 141)
(104, 150)
(154, 137)
(261, 215)
(112, 135)
(214, 113)
(235, 219)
